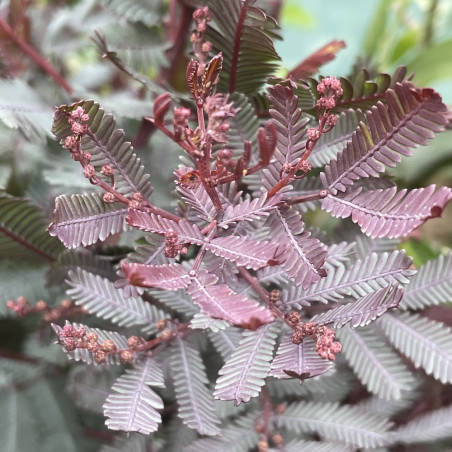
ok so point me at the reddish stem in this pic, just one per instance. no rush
(236, 50)
(35, 56)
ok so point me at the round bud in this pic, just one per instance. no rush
(22, 301)
(133, 341)
(91, 337)
(99, 356)
(89, 171)
(297, 337)
(108, 346)
(277, 439)
(167, 335)
(161, 324)
(80, 332)
(68, 331)
(262, 445)
(87, 156)
(293, 317)
(41, 305)
(92, 347)
(109, 197)
(126, 356)
(107, 170)
(70, 344)
(10, 304)
(66, 303)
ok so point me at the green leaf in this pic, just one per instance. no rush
(196, 404)
(428, 344)
(99, 296)
(86, 219)
(132, 406)
(378, 367)
(336, 423)
(23, 234)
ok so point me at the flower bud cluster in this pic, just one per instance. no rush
(219, 111)
(330, 90)
(22, 307)
(78, 338)
(180, 121)
(172, 247)
(326, 346)
(78, 120)
(201, 48)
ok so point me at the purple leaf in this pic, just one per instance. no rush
(219, 301)
(303, 255)
(386, 212)
(409, 118)
(166, 277)
(363, 311)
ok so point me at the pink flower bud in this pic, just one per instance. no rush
(89, 171)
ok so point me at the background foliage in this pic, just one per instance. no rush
(36, 377)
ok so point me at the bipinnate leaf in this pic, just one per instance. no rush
(289, 124)
(165, 277)
(186, 231)
(82, 220)
(363, 311)
(336, 423)
(334, 141)
(409, 118)
(107, 146)
(243, 33)
(249, 253)
(132, 406)
(433, 426)
(82, 354)
(363, 277)
(238, 436)
(99, 296)
(303, 255)
(196, 404)
(248, 210)
(244, 372)
(23, 233)
(431, 285)
(300, 359)
(221, 302)
(387, 212)
(252, 254)
(428, 344)
(375, 363)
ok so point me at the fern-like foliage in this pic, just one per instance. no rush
(388, 212)
(133, 405)
(361, 278)
(426, 428)
(298, 360)
(243, 32)
(428, 344)
(196, 404)
(136, 11)
(236, 437)
(244, 372)
(288, 122)
(362, 311)
(336, 423)
(431, 284)
(99, 296)
(409, 118)
(22, 108)
(331, 143)
(248, 210)
(220, 301)
(23, 231)
(304, 255)
(107, 146)
(377, 365)
(85, 219)
(165, 277)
